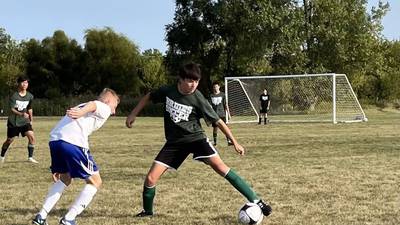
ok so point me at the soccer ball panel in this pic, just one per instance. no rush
(249, 214)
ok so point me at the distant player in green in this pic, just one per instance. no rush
(20, 119)
(218, 103)
(265, 101)
(184, 106)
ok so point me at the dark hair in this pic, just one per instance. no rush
(190, 71)
(216, 83)
(22, 79)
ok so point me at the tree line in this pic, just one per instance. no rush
(228, 38)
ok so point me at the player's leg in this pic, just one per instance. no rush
(237, 182)
(86, 196)
(31, 143)
(149, 188)
(81, 165)
(61, 177)
(5, 147)
(215, 133)
(12, 132)
(171, 156)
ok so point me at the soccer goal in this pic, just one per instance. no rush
(294, 98)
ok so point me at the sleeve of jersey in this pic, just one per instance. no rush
(102, 110)
(30, 103)
(209, 115)
(12, 102)
(158, 96)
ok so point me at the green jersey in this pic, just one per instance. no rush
(182, 114)
(218, 103)
(21, 104)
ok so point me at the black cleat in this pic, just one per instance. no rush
(144, 214)
(38, 220)
(265, 208)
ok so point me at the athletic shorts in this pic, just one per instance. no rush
(172, 155)
(72, 159)
(15, 131)
(222, 118)
(263, 110)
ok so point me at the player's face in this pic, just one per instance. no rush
(24, 85)
(265, 92)
(216, 88)
(112, 102)
(187, 86)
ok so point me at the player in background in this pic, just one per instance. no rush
(218, 103)
(265, 101)
(70, 155)
(184, 107)
(20, 120)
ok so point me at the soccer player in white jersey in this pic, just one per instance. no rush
(70, 155)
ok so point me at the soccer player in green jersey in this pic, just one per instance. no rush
(218, 103)
(184, 106)
(20, 119)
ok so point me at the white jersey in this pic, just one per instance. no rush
(77, 131)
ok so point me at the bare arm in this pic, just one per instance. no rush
(132, 116)
(225, 129)
(30, 113)
(76, 113)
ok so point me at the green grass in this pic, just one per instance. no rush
(311, 173)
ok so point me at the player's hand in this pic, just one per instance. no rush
(130, 120)
(239, 149)
(26, 115)
(74, 113)
(56, 177)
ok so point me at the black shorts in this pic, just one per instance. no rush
(222, 118)
(263, 110)
(172, 155)
(15, 131)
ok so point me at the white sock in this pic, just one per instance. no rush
(83, 200)
(52, 197)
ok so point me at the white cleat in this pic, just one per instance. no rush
(2, 159)
(32, 160)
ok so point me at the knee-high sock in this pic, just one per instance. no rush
(52, 198)
(4, 149)
(31, 147)
(241, 186)
(148, 197)
(81, 202)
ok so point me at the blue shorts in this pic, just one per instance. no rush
(72, 159)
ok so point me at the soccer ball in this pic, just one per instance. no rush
(250, 213)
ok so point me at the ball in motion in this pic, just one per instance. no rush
(250, 213)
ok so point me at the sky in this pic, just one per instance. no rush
(142, 21)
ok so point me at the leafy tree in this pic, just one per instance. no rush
(54, 66)
(11, 62)
(152, 72)
(112, 60)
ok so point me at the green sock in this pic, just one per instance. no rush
(241, 186)
(148, 197)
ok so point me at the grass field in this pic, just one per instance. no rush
(315, 173)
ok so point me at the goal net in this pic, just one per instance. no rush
(294, 98)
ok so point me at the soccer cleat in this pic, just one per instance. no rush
(2, 159)
(63, 221)
(144, 214)
(265, 208)
(32, 160)
(39, 221)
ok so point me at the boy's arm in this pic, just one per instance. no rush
(75, 113)
(225, 129)
(132, 116)
(30, 113)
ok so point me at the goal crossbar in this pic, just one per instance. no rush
(294, 98)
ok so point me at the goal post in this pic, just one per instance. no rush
(294, 98)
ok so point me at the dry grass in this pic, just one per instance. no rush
(311, 173)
